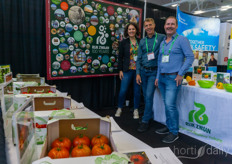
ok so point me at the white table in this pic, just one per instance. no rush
(123, 140)
(217, 131)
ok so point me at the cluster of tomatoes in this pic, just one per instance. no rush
(81, 146)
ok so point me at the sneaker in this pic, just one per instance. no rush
(164, 130)
(136, 114)
(170, 138)
(118, 112)
(143, 127)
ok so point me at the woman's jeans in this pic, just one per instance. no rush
(125, 82)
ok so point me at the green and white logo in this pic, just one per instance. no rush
(199, 115)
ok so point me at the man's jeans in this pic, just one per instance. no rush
(148, 84)
(126, 80)
(169, 91)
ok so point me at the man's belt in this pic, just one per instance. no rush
(175, 73)
(150, 68)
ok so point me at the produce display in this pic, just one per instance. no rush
(80, 146)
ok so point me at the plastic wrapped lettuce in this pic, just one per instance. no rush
(63, 113)
(114, 158)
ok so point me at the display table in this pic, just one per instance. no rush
(204, 114)
(124, 143)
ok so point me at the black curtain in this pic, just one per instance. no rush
(23, 46)
(22, 34)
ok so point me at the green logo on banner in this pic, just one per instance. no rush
(199, 115)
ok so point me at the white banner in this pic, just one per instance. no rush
(204, 114)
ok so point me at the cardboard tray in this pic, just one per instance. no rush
(19, 75)
(66, 128)
(38, 89)
(49, 103)
(39, 80)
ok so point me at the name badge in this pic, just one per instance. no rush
(135, 58)
(165, 58)
(150, 56)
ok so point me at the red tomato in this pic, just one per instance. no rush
(62, 142)
(99, 139)
(81, 150)
(58, 152)
(81, 139)
(101, 149)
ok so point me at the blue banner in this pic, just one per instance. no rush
(203, 33)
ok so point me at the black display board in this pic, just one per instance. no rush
(83, 37)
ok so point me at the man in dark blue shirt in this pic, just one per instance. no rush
(175, 58)
(146, 69)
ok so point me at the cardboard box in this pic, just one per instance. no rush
(42, 117)
(39, 80)
(18, 85)
(24, 134)
(51, 103)
(67, 128)
(38, 89)
(19, 75)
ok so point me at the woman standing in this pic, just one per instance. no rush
(128, 50)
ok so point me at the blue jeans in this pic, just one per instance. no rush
(148, 84)
(169, 91)
(126, 80)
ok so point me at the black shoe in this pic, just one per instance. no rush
(143, 127)
(164, 130)
(170, 138)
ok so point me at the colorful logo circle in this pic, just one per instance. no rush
(92, 30)
(78, 36)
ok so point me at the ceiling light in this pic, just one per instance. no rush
(229, 20)
(155, 9)
(217, 16)
(174, 5)
(198, 12)
(126, 3)
(213, 16)
(224, 8)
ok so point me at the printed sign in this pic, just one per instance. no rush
(83, 37)
(203, 33)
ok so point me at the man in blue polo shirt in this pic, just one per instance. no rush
(146, 69)
(175, 58)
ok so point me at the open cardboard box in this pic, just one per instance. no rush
(19, 75)
(68, 128)
(38, 89)
(50, 103)
(39, 80)
(18, 85)
(43, 111)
